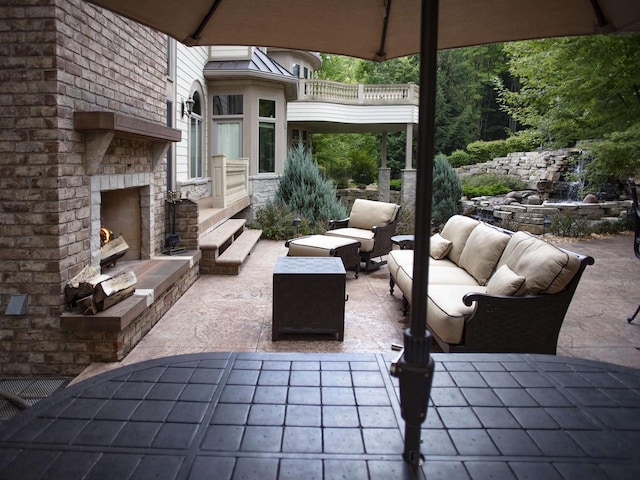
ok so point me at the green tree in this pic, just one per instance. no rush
(447, 191)
(304, 190)
(575, 88)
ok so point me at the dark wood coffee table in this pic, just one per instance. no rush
(308, 296)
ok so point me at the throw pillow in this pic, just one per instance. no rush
(504, 282)
(439, 246)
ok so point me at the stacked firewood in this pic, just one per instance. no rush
(91, 292)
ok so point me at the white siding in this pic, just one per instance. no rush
(189, 66)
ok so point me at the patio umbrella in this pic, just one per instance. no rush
(379, 30)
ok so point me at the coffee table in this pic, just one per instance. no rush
(308, 296)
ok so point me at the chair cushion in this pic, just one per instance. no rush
(365, 237)
(457, 230)
(545, 267)
(439, 246)
(504, 282)
(482, 251)
(367, 214)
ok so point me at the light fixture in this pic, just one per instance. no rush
(187, 106)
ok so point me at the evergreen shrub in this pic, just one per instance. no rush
(447, 191)
(305, 191)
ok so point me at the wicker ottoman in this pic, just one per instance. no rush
(308, 296)
(325, 246)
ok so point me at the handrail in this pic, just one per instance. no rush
(358, 94)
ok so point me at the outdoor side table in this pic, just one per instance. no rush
(405, 242)
(308, 296)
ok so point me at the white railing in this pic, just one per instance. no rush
(358, 94)
(229, 180)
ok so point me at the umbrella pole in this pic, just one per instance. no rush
(414, 368)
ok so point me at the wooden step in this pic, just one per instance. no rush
(230, 261)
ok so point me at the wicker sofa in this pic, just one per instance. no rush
(492, 290)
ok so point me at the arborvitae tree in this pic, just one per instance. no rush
(304, 190)
(447, 191)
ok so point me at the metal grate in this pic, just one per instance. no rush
(31, 390)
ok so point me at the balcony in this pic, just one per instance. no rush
(358, 94)
(331, 107)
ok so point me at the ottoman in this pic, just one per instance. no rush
(308, 296)
(325, 246)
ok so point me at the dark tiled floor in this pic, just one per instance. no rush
(295, 415)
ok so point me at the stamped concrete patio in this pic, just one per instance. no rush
(233, 313)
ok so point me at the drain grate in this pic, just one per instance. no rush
(31, 390)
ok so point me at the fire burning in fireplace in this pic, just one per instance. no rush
(105, 236)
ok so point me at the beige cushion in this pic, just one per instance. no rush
(504, 282)
(545, 267)
(367, 214)
(446, 312)
(457, 229)
(482, 251)
(397, 259)
(454, 275)
(365, 237)
(439, 246)
(316, 245)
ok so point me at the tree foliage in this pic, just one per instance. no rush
(304, 190)
(575, 88)
(447, 191)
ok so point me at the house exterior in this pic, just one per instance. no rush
(105, 122)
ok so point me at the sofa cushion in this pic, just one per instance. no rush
(439, 246)
(457, 230)
(545, 267)
(367, 214)
(397, 259)
(446, 312)
(365, 237)
(504, 282)
(482, 251)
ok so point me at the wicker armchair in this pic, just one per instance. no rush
(372, 224)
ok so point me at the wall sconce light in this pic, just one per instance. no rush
(187, 106)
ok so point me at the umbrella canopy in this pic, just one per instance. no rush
(373, 29)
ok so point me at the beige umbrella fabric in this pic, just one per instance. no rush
(357, 27)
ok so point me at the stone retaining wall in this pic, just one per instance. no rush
(530, 167)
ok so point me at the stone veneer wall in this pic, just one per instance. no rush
(57, 58)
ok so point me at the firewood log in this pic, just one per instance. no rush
(114, 285)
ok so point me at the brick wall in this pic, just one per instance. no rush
(56, 58)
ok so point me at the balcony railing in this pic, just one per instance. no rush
(230, 180)
(358, 94)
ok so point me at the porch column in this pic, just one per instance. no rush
(408, 190)
(384, 173)
(408, 155)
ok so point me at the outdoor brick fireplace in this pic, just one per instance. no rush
(122, 204)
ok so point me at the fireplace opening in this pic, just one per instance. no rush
(121, 214)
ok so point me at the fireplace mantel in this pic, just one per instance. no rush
(100, 128)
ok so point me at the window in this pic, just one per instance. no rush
(227, 125)
(227, 105)
(296, 70)
(195, 139)
(306, 72)
(267, 136)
